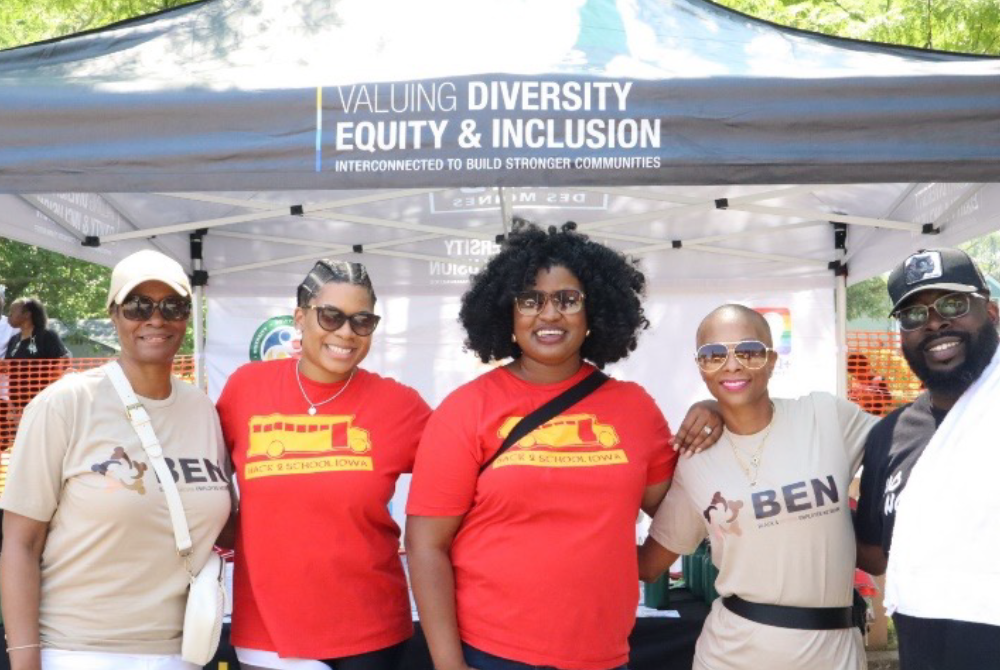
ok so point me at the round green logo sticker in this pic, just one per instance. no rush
(275, 338)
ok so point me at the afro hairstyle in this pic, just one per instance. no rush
(612, 283)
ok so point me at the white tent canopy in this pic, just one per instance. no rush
(716, 147)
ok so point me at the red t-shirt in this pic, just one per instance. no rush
(545, 564)
(318, 573)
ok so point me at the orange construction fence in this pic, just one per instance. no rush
(878, 379)
(23, 379)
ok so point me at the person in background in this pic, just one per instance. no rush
(867, 389)
(936, 459)
(318, 444)
(89, 570)
(772, 498)
(6, 421)
(34, 340)
(7, 331)
(530, 560)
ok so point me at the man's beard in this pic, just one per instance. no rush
(979, 352)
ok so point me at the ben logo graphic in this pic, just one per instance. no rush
(315, 444)
(721, 515)
(923, 266)
(275, 338)
(120, 470)
(804, 500)
(582, 439)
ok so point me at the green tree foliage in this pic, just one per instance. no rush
(986, 252)
(27, 21)
(70, 289)
(969, 26)
(868, 299)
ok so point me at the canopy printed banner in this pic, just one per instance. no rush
(237, 95)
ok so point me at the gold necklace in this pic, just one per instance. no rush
(756, 456)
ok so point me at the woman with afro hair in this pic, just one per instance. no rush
(532, 561)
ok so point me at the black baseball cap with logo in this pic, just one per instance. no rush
(935, 269)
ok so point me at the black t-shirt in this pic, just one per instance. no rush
(42, 344)
(893, 447)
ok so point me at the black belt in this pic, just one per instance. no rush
(784, 616)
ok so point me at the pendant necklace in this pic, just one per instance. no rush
(755, 457)
(313, 405)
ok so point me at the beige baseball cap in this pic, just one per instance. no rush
(142, 266)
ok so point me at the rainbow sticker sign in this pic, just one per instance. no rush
(780, 321)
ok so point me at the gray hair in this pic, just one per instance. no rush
(327, 271)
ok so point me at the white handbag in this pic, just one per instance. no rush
(206, 602)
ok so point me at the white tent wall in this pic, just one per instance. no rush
(420, 343)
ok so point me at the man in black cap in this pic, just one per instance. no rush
(948, 332)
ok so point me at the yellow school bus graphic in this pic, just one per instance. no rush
(278, 434)
(567, 430)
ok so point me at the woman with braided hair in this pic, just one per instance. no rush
(318, 444)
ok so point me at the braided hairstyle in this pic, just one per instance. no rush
(327, 271)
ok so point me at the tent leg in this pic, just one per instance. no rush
(841, 328)
(199, 337)
(199, 279)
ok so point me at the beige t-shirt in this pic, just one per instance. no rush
(787, 541)
(111, 577)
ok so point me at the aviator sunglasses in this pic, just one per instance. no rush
(330, 318)
(751, 354)
(141, 308)
(531, 303)
(948, 307)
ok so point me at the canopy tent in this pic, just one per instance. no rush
(247, 137)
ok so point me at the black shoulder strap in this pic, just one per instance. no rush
(549, 410)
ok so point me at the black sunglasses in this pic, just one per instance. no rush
(751, 354)
(531, 303)
(141, 308)
(330, 318)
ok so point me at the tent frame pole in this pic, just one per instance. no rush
(841, 333)
(200, 378)
(199, 279)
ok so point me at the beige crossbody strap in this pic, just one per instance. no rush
(140, 420)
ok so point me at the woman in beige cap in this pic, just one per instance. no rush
(89, 571)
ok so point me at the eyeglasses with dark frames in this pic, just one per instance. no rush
(332, 318)
(950, 306)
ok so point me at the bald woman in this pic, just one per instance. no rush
(772, 498)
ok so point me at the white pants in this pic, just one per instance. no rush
(57, 659)
(269, 659)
